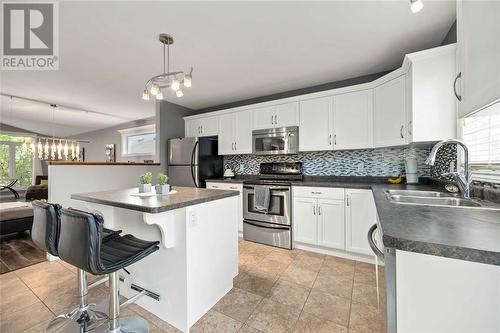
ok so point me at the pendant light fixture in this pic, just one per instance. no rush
(159, 84)
(416, 6)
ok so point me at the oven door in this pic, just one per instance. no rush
(267, 233)
(279, 205)
(275, 141)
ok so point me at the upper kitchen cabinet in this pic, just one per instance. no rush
(389, 115)
(207, 126)
(353, 120)
(235, 133)
(430, 103)
(316, 124)
(478, 67)
(282, 115)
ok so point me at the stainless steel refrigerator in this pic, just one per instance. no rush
(191, 161)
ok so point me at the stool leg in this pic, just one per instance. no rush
(114, 303)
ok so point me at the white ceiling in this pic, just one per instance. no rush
(239, 50)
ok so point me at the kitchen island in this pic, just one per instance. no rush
(198, 256)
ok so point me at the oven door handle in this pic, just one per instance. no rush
(281, 189)
(265, 226)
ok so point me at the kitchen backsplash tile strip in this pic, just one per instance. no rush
(367, 162)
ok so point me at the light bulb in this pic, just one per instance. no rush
(53, 150)
(145, 95)
(187, 81)
(65, 150)
(416, 6)
(175, 85)
(46, 149)
(40, 149)
(154, 89)
(59, 150)
(72, 150)
(159, 95)
(77, 150)
(179, 93)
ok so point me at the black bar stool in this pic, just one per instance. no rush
(45, 234)
(81, 245)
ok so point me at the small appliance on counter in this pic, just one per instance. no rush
(228, 173)
(272, 225)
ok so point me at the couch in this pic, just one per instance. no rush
(38, 191)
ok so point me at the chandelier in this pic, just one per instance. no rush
(158, 84)
(52, 148)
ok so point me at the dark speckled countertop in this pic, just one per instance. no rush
(185, 196)
(460, 233)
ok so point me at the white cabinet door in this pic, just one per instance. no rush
(209, 126)
(478, 40)
(193, 128)
(304, 220)
(226, 134)
(353, 120)
(263, 118)
(316, 117)
(389, 115)
(361, 214)
(243, 132)
(232, 187)
(331, 230)
(286, 115)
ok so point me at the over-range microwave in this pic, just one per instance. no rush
(276, 141)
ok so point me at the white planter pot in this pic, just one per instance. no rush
(144, 188)
(162, 189)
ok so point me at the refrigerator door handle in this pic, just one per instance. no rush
(192, 164)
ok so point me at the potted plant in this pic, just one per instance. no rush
(162, 187)
(145, 180)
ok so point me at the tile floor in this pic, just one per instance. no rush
(276, 291)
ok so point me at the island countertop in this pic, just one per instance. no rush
(183, 197)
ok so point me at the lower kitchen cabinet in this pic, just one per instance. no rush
(361, 214)
(329, 219)
(319, 222)
(232, 187)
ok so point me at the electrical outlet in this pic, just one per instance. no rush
(193, 219)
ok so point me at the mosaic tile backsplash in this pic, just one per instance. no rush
(367, 162)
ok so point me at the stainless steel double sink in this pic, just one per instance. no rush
(433, 198)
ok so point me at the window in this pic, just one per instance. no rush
(481, 134)
(15, 163)
(138, 141)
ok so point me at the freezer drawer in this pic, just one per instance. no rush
(267, 233)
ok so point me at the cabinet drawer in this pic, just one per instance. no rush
(225, 186)
(319, 192)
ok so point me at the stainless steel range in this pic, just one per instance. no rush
(272, 226)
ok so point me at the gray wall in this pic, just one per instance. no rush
(451, 36)
(169, 124)
(95, 150)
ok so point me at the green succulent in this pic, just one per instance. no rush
(146, 178)
(162, 179)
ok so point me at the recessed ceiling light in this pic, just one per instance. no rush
(416, 6)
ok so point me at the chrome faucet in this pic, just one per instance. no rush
(463, 181)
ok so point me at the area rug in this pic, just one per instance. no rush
(18, 251)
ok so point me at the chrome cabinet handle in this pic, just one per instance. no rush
(215, 186)
(459, 76)
(316, 192)
(314, 210)
(319, 210)
(401, 131)
(409, 127)
(330, 139)
(235, 146)
(201, 129)
(347, 201)
(232, 145)
(275, 119)
(335, 139)
(233, 187)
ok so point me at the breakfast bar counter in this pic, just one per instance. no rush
(198, 257)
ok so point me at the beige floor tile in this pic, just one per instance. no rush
(365, 277)
(215, 322)
(289, 293)
(274, 317)
(19, 321)
(163, 326)
(68, 266)
(247, 329)
(328, 307)
(271, 267)
(39, 328)
(299, 275)
(280, 256)
(366, 319)
(365, 294)
(14, 294)
(308, 323)
(308, 253)
(238, 304)
(338, 285)
(338, 266)
(255, 282)
(308, 262)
